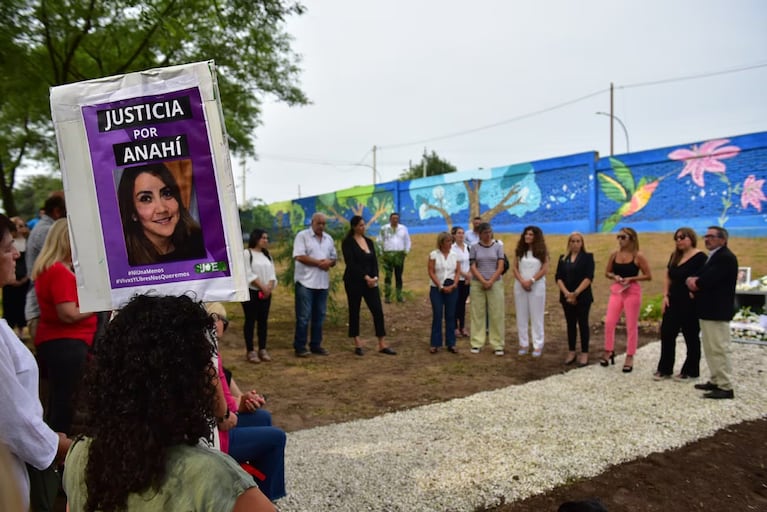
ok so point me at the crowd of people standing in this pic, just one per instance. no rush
(698, 296)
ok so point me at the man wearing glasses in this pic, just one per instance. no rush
(714, 289)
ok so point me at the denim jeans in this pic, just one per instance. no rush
(254, 440)
(310, 310)
(442, 305)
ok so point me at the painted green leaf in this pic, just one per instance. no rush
(610, 222)
(612, 189)
(623, 174)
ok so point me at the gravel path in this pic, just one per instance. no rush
(508, 444)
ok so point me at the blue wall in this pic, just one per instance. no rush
(716, 182)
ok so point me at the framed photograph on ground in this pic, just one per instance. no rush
(744, 276)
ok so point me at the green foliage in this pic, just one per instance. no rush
(44, 44)
(652, 308)
(256, 215)
(32, 193)
(434, 166)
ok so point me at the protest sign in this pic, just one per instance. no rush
(148, 183)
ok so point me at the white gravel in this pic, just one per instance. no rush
(515, 442)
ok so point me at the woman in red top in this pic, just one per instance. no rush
(64, 334)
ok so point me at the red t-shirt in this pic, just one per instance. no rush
(56, 286)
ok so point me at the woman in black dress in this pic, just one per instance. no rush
(678, 308)
(361, 281)
(575, 272)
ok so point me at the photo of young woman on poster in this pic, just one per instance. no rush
(156, 222)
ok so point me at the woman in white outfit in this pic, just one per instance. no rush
(530, 267)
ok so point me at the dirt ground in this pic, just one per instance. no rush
(725, 472)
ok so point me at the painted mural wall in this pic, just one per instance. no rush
(714, 182)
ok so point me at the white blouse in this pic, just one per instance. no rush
(529, 265)
(257, 265)
(463, 258)
(444, 267)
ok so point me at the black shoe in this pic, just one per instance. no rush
(320, 352)
(303, 353)
(719, 394)
(606, 359)
(707, 386)
(358, 351)
(388, 351)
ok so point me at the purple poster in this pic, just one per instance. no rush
(156, 187)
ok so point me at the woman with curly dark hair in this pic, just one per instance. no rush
(145, 418)
(530, 266)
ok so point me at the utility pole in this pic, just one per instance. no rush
(243, 182)
(424, 162)
(374, 164)
(612, 119)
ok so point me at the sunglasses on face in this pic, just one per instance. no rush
(217, 317)
(680, 237)
(623, 237)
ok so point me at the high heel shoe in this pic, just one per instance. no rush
(570, 359)
(607, 360)
(628, 368)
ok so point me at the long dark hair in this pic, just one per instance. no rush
(538, 246)
(151, 387)
(353, 223)
(255, 236)
(676, 256)
(140, 250)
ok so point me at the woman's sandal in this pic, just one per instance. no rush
(606, 359)
(628, 368)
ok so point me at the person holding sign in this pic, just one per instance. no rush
(157, 225)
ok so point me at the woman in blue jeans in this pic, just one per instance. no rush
(444, 272)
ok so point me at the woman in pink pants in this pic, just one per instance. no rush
(625, 268)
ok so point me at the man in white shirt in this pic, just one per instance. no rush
(472, 236)
(314, 253)
(395, 245)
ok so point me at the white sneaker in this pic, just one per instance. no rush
(499, 352)
(522, 352)
(475, 350)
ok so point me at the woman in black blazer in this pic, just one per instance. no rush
(575, 272)
(361, 281)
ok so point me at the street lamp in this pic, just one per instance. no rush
(625, 131)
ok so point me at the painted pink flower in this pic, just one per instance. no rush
(752, 193)
(704, 158)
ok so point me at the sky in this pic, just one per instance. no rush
(492, 83)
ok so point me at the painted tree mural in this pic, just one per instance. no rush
(510, 189)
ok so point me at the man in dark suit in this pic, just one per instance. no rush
(714, 289)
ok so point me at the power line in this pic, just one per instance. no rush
(499, 123)
(576, 100)
(693, 77)
(517, 118)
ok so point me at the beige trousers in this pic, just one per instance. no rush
(715, 338)
(487, 315)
